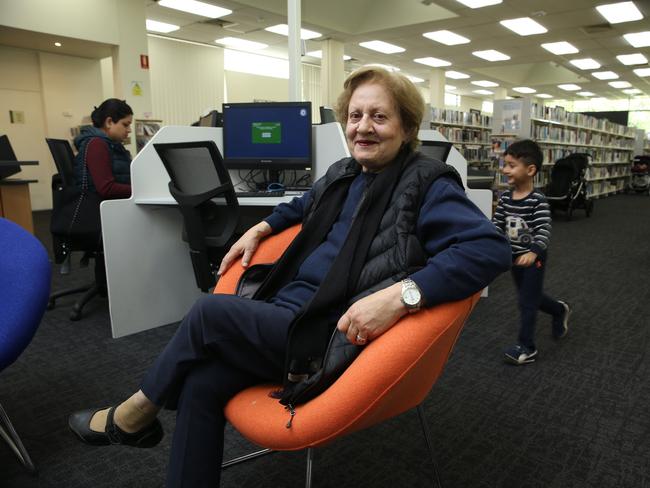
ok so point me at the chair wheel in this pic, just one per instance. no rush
(75, 315)
(51, 303)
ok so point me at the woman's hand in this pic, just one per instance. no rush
(245, 246)
(526, 260)
(373, 315)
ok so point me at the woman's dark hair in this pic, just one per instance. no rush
(113, 108)
(528, 151)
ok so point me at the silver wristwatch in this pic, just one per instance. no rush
(411, 295)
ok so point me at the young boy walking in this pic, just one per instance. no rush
(524, 216)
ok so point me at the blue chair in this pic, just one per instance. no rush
(24, 290)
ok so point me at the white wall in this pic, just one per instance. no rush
(186, 80)
(469, 102)
(244, 87)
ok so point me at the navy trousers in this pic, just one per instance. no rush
(530, 287)
(224, 344)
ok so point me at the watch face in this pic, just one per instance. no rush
(411, 297)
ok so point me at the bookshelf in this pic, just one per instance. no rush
(560, 133)
(468, 131)
(144, 131)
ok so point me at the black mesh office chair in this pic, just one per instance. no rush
(198, 176)
(64, 244)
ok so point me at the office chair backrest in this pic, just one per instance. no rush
(436, 149)
(63, 158)
(198, 176)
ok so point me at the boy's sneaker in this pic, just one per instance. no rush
(561, 323)
(519, 354)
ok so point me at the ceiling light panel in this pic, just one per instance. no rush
(638, 39)
(382, 47)
(485, 83)
(446, 37)
(585, 63)
(156, 26)
(283, 30)
(544, 95)
(632, 91)
(479, 3)
(586, 94)
(620, 84)
(456, 75)
(450, 87)
(484, 92)
(615, 13)
(319, 54)
(243, 44)
(569, 87)
(491, 55)
(197, 8)
(415, 79)
(560, 48)
(632, 59)
(605, 75)
(433, 62)
(642, 72)
(524, 89)
(524, 26)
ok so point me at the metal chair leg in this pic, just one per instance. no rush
(427, 436)
(245, 457)
(9, 434)
(310, 462)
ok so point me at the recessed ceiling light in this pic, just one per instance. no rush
(585, 63)
(620, 84)
(586, 94)
(382, 47)
(524, 26)
(491, 55)
(479, 3)
(485, 83)
(243, 44)
(414, 79)
(155, 26)
(283, 30)
(319, 54)
(605, 75)
(631, 59)
(615, 13)
(524, 89)
(569, 87)
(638, 39)
(632, 91)
(456, 75)
(197, 8)
(446, 37)
(642, 72)
(544, 95)
(560, 48)
(450, 87)
(57, 44)
(434, 62)
(484, 92)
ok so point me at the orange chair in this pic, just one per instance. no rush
(405, 362)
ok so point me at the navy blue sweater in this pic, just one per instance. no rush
(464, 247)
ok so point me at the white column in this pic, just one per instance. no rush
(437, 88)
(295, 75)
(332, 72)
(500, 93)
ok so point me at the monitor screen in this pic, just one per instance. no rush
(327, 115)
(269, 135)
(212, 119)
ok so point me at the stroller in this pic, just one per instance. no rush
(567, 189)
(640, 181)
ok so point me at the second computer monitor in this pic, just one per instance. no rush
(436, 149)
(268, 135)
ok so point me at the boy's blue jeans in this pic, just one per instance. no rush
(530, 287)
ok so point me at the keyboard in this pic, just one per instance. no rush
(247, 194)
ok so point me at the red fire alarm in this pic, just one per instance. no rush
(144, 61)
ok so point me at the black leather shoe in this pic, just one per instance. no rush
(79, 423)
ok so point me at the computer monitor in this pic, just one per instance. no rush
(269, 136)
(7, 158)
(327, 115)
(212, 119)
(436, 149)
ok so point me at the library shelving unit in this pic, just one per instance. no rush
(560, 133)
(144, 130)
(468, 131)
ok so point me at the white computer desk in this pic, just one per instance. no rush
(148, 267)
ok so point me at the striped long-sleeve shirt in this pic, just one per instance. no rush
(525, 222)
